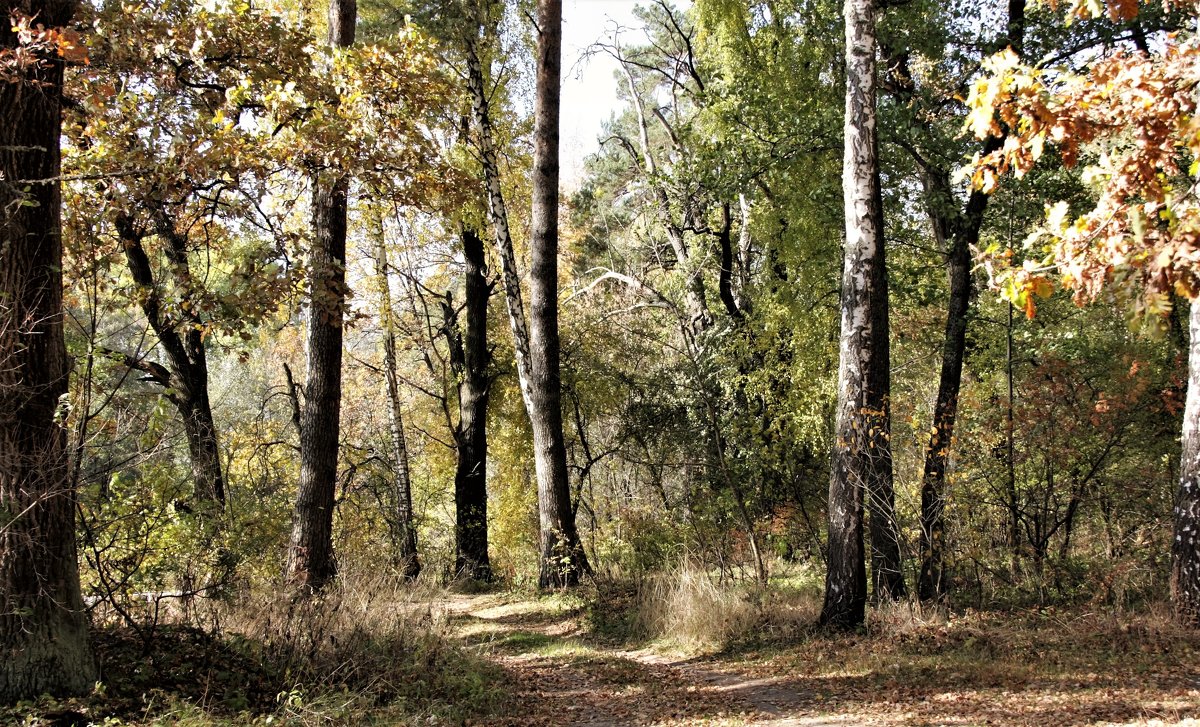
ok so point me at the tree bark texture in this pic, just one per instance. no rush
(187, 385)
(470, 359)
(43, 630)
(1185, 546)
(562, 553)
(861, 457)
(405, 527)
(311, 564)
(562, 557)
(931, 585)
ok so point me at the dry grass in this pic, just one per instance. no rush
(369, 647)
(691, 609)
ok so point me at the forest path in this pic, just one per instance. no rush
(561, 673)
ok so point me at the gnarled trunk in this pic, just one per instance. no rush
(43, 630)
(187, 383)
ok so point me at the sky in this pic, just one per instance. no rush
(589, 91)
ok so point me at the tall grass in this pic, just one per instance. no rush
(691, 608)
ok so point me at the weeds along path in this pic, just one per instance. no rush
(559, 673)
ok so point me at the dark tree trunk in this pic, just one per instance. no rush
(43, 630)
(887, 573)
(956, 233)
(861, 453)
(956, 239)
(931, 585)
(725, 279)
(311, 564)
(405, 527)
(470, 359)
(187, 383)
(1185, 548)
(562, 553)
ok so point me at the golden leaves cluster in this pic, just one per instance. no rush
(1130, 121)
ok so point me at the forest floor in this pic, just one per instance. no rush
(1037, 668)
(508, 659)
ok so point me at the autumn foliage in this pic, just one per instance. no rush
(1130, 122)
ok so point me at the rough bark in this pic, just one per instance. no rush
(311, 564)
(43, 630)
(405, 535)
(931, 585)
(562, 553)
(861, 458)
(469, 360)
(887, 574)
(183, 343)
(537, 349)
(1185, 546)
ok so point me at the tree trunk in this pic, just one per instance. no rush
(887, 574)
(562, 553)
(562, 558)
(311, 563)
(186, 356)
(861, 452)
(956, 232)
(469, 359)
(931, 585)
(406, 531)
(43, 630)
(204, 451)
(1185, 548)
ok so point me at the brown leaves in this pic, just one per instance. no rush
(1135, 116)
(36, 45)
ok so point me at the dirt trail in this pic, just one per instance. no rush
(560, 674)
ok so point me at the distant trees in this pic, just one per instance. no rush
(43, 628)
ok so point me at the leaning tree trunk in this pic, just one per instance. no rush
(43, 630)
(930, 586)
(562, 554)
(470, 358)
(958, 234)
(861, 452)
(406, 530)
(311, 562)
(1185, 548)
